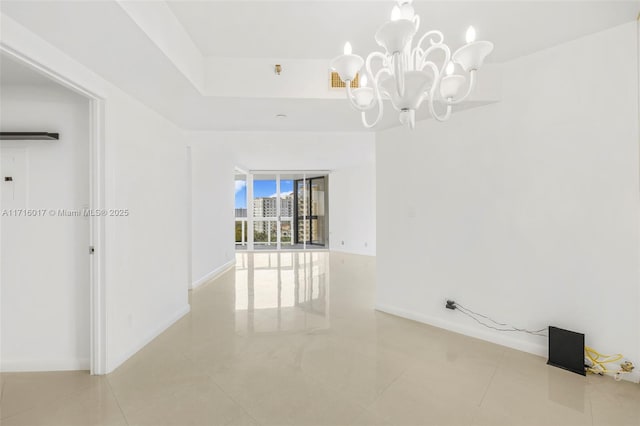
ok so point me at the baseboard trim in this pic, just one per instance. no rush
(633, 377)
(213, 274)
(344, 251)
(18, 366)
(144, 342)
(532, 348)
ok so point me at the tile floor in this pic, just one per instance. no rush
(292, 339)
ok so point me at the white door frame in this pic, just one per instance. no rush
(189, 207)
(97, 299)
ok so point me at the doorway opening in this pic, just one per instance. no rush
(281, 210)
(91, 246)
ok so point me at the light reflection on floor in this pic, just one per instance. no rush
(289, 289)
(294, 339)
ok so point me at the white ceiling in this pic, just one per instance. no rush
(102, 36)
(319, 29)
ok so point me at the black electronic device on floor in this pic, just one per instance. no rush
(566, 350)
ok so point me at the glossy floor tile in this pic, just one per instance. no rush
(293, 339)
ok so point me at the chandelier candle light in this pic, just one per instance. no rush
(408, 76)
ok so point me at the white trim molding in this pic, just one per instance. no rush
(533, 348)
(28, 365)
(213, 274)
(343, 250)
(97, 309)
(637, 372)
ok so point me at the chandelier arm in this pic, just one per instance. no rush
(377, 120)
(436, 33)
(398, 73)
(430, 50)
(352, 98)
(435, 87)
(371, 57)
(419, 55)
(406, 60)
(378, 97)
(434, 92)
(376, 81)
(416, 56)
(436, 73)
(472, 84)
(434, 114)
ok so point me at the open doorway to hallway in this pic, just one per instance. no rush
(45, 260)
(281, 210)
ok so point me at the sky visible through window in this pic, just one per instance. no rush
(261, 188)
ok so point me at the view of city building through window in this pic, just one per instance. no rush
(241, 210)
(286, 211)
(310, 199)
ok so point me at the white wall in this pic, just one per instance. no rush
(146, 271)
(352, 205)
(349, 156)
(213, 247)
(526, 210)
(45, 262)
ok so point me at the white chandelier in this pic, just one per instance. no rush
(408, 76)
